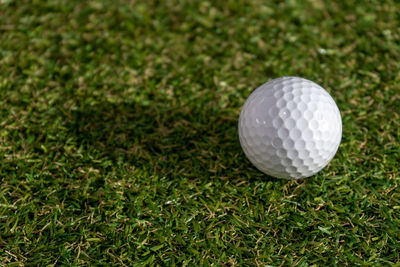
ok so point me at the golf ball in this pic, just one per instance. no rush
(290, 128)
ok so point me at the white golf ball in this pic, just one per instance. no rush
(290, 128)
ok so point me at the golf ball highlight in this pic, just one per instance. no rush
(290, 128)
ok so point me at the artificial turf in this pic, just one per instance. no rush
(119, 144)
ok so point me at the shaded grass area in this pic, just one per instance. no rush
(119, 142)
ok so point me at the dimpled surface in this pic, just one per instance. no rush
(290, 128)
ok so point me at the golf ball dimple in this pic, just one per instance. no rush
(290, 128)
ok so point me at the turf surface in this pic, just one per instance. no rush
(118, 137)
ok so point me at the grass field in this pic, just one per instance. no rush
(119, 144)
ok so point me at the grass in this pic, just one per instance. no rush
(118, 137)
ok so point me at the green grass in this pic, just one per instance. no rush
(118, 137)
